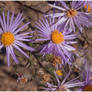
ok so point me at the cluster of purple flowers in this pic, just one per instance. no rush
(59, 30)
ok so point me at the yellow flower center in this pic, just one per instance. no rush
(57, 37)
(85, 6)
(7, 38)
(88, 88)
(71, 13)
(59, 72)
(89, 7)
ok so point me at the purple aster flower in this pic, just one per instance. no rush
(87, 77)
(59, 41)
(10, 36)
(72, 16)
(63, 85)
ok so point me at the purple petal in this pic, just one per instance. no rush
(20, 29)
(67, 24)
(71, 42)
(14, 27)
(20, 50)
(77, 23)
(23, 45)
(13, 55)
(47, 25)
(18, 18)
(70, 37)
(79, 4)
(63, 19)
(14, 23)
(22, 39)
(72, 25)
(43, 26)
(55, 15)
(8, 55)
(57, 78)
(73, 4)
(4, 22)
(61, 54)
(23, 34)
(69, 48)
(84, 19)
(64, 5)
(57, 7)
(8, 20)
(11, 22)
(65, 78)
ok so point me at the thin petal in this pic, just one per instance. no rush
(11, 22)
(8, 20)
(77, 23)
(57, 78)
(70, 37)
(8, 55)
(20, 29)
(23, 34)
(64, 5)
(72, 25)
(74, 85)
(16, 21)
(69, 48)
(2, 25)
(4, 21)
(56, 15)
(65, 78)
(13, 55)
(63, 19)
(57, 7)
(20, 50)
(23, 45)
(16, 25)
